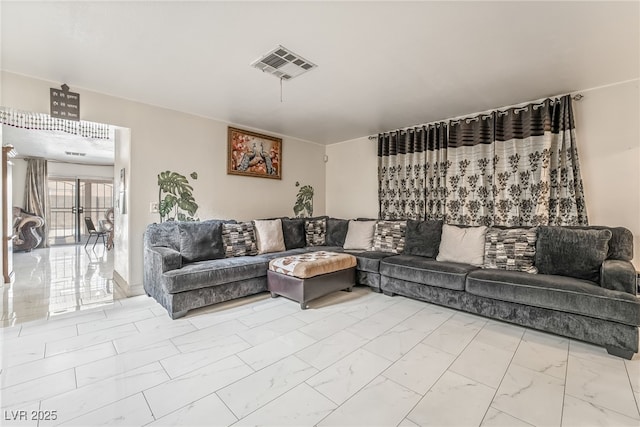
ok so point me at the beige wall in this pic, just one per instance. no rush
(608, 126)
(608, 132)
(163, 139)
(19, 175)
(352, 179)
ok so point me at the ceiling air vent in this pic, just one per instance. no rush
(283, 63)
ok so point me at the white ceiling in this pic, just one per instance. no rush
(53, 145)
(381, 65)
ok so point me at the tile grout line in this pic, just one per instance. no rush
(144, 396)
(501, 381)
(564, 384)
(448, 366)
(602, 407)
(226, 406)
(626, 368)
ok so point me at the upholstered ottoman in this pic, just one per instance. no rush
(305, 277)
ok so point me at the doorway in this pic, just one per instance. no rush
(73, 199)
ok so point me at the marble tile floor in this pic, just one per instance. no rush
(57, 280)
(356, 358)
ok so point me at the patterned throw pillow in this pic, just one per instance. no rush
(239, 239)
(316, 231)
(511, 249)
(389, 236)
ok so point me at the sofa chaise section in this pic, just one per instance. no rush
(179, 285)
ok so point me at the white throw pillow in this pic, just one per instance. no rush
(269, 236)
(359, 235)
(464, 245)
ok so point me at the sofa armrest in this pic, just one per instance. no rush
(165, 258)
(158, 260)
(618, 275)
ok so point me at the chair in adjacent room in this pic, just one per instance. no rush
(93, 232)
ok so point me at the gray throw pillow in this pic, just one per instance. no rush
(510, 249)
(294, 234)
(571, 252)
(336, 231)
(164, 235)
(389, 236)
(316, 231)
(239, 239)
(422, 238)
(201, 241)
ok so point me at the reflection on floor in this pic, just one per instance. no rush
(60, 279)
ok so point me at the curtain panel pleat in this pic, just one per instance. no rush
(36, 196)
(514, 167)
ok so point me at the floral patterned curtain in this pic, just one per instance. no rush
(514, 167)
(437, 165)
(411, 172)
(401, 176)
(470, 177)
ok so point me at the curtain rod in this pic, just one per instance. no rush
(576, 97)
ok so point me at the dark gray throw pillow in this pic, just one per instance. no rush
(294, 233)
(422, 238)
(336, 231)
(201, 241)
(572, 252)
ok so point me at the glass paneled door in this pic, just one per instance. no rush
(72, 199)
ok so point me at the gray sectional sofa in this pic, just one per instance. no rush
(579, 292)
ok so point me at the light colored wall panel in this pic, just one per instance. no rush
(352, 179)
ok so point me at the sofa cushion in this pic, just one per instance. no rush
(239, 239)
(423, 238)
(294, 234)
(511, 249)
(556, 293)
(204, 274)
(621, 243)
(389, 236)
(269, 237)
(165, 235)
(359, 235)
(572, 252)
(462, 244)
(336, 231)
(274, 255)
(369, 260)
(316, 231)
(427, 271)
(201, 241)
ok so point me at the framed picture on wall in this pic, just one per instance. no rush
(254, 154)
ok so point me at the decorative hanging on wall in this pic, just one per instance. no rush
(29, 120)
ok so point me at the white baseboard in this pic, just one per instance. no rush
(123, 289)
